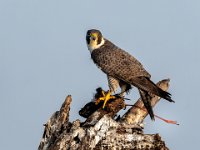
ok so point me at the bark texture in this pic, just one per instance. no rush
(100, 131)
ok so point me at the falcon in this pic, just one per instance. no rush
(122, 70)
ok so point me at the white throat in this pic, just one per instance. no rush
(93, 47)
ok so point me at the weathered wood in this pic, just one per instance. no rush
(55, 125)
(100, 131)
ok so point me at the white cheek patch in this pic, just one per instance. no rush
(102, 42)
(95, 46)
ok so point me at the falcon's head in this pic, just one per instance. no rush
(94, 39)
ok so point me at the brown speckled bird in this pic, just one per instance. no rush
(122, 70)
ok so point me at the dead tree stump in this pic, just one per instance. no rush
(101, 131)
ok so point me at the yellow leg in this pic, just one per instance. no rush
(106, 96)
(100, 98)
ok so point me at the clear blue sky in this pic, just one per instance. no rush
(43, 58)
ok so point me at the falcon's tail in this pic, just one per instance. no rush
(146, 98)
(147, 85)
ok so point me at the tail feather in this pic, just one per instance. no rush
(159, 92)
(147, 85)
(146, 98)
(164, 94)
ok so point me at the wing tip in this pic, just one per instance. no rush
(166, 96)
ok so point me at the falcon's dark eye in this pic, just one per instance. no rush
(93, 38)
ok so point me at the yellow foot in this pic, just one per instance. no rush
(106, 96)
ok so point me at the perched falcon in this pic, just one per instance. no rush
(122, 69)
